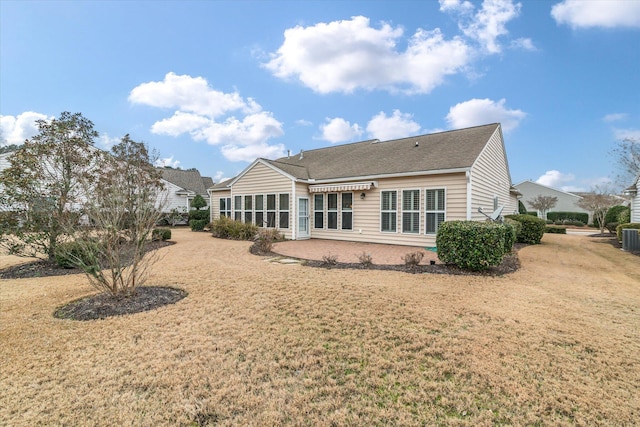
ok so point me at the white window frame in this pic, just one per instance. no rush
(237, 207)
(320, 210)
(389, 211)
(281, 211)
(415, 213)
(227, 210)
(336, 211)
(261, 210)
(434, 211)
(246, 211)
(347, 210)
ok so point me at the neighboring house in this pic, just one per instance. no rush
(567, 202)
(634, 192)
(181, 186)
(4, 163)
(395, 192)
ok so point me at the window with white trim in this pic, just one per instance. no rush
(347, 210)
(248, 209)
(435, 210)
(318, 211)
(271, 210)
(388, 211)
(259, 210)
(237, 208)
(284, 210)
(332, 211)
(411, 211)
(225, 207)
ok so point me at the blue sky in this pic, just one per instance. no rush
(215, 84)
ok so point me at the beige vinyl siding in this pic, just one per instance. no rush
(490, 178)
(262, 179)
(366, 212)
(214, 202)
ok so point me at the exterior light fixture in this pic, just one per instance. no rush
(362, 196)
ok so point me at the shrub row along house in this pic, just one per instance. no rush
(566, 201)
(395, 192)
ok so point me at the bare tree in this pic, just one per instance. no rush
(543, 204)
(41, 188)
(598, 203)
(627, 156)
(123, 209)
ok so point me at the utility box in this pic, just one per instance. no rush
(630, 240)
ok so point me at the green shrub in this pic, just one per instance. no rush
(71, 254)
(571, 216)
(198, 202)
(473, 245)
(532, 229)
(620, 227)
(554, 229)
(625, 216)
(199, 215)
(521, 207)
(613, 213)
(160, 234)
(227, 228)
(198, 224)
(511, 234)
(531, 213)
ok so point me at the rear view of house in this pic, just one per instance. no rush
(395, 192)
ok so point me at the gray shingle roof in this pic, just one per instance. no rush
(189, 180)
(455, 149)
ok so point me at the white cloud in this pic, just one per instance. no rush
(339, 130)
(523, 43)
(399, 125)
(343, 56)
(615, 117)
(303, 122)
(489, 23)
(167, 161)
(556, 179)
(456, 5)
(622, 134)
(219, 177)
(15, 129)
(597, 13)
(482, 111)
(212, 116)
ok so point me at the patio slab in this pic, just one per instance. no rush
(348, 252)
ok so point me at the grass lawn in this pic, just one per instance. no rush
(259, 343)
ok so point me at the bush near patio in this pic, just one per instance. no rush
(568, 216)
(555, 229)
(532, 229)
(619, 228)
(474, 245)
(615, 216)
(227, 228)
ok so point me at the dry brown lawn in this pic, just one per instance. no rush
(259, 343)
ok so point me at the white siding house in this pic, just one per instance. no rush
(634, 192)
(395, 191)
(567, 202)
(181, 186)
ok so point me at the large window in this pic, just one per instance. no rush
(435, 210)
(411, 211)
(347, 211)
(318, 211)
(284, 210)
(271, 210)
(332, 211)
(237, 208)
(260, 210)
(248, 209)
(388, 211)
(225, 207)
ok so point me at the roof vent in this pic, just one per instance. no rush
(417, 144)
(288, 154)
(301, 155)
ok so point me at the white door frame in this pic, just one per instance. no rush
(302, 220)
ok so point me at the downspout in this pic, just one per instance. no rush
(469, 190)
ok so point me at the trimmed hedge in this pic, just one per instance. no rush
(553, 229)
(532, 229)
(620, 227)
(571, 216)
(198, 224)
(473, 245)
(199, 215)
(160, 234)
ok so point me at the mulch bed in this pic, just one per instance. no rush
(510, 264)
(103, 305)
(44, 268)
